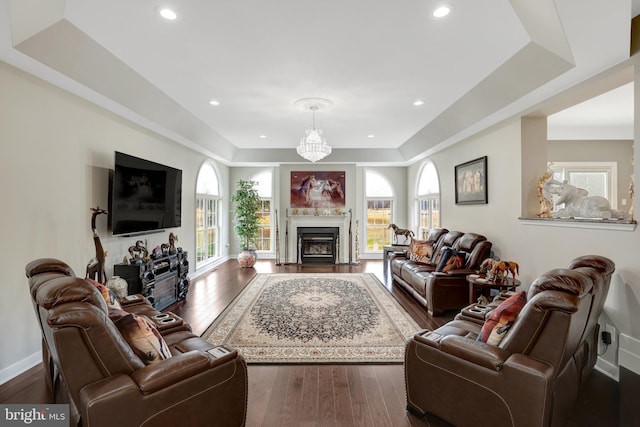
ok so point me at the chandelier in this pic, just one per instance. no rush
(313, 146)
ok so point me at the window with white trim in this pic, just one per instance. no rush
(264, 241)
(428, 200)
(207, 215)
(379, 204)
(598, 178)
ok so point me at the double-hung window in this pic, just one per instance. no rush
(428, 200)
(207, 215)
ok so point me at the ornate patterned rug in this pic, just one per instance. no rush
(315, 318)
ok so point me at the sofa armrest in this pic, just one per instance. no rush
(475, 312)
(477, 352)
(133, 299)
(205, 388)
(170, 371)
(460, 272)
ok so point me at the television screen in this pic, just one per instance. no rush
(145, 195)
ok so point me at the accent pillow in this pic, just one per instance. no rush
(142, 335)
(420, 250)
(451, 260)
(109, 296)
(495, 328)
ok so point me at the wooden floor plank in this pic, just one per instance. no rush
(309, 396)
(261, 384)
(291, 408)
(277, 397)
(359, 403)
(326, 397)
(342, 396)
(375, 399)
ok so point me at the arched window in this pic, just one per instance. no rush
(428, 199)
(207, 215)
(265, 190)
(379, 202)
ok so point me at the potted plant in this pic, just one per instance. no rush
(245, 223)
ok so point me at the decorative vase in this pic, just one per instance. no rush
(247, 258)
(118, 285)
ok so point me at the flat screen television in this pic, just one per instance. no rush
(145, 196)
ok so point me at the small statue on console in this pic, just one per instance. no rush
(157, 252)
(173, 238)
(138, 252)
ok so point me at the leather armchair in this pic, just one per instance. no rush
(533, 376)
(107, 384)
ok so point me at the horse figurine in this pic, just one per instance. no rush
(397, 231)
(95, 267)
(497, 267)
(173, 238)
(138, 252)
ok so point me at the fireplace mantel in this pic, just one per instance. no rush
(292, 222)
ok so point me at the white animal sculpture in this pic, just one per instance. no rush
(577, 202)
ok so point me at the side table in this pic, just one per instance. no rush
(477, 283)
(386, 250)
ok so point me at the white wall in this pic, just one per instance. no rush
(57, 151)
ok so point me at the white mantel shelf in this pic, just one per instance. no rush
(590, 223)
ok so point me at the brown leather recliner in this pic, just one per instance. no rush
(107, 384)
(533, 376)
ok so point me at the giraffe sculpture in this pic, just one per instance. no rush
(95, 267)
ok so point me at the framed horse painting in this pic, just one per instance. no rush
(471, 182)
(312, 189)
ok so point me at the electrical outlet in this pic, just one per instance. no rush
(612, 331)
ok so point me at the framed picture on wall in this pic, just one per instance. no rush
(471, 182)
(312, 189)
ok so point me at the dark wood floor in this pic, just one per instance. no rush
(323, 395)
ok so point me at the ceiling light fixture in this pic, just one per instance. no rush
(214, 102)
(313, 146)
(168, 14)
(418, 103)
(441, 11)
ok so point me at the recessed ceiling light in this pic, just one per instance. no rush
(441, 11)
(214, 102)
(263, 136)
(371, 136)
(418, 103)
(168, 14)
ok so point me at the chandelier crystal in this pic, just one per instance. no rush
(313, 146)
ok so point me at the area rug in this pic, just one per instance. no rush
(315, 318)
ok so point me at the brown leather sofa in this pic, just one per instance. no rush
(441, 291)
(533, 376)
(92, 367)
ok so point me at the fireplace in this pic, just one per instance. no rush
(318, 245)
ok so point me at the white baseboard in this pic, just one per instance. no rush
(629, 353)
(208, 267)
(10, 372)
(607, 368)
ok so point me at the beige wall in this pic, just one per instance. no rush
(57, 151)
